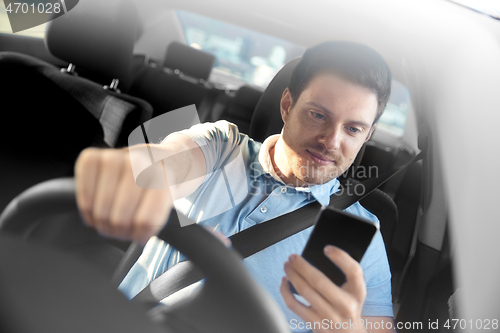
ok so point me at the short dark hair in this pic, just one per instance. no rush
(354, 62)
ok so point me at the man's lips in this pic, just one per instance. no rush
(320, 159)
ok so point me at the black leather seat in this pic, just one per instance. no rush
(53, 115)
(240, 108)
(189, 61)
(266, 119)
(182, 82)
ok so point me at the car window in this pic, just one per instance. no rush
(486, 7)
(393, 120)
(249, 56)
(38, 31)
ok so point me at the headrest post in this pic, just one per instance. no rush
(70, 70)
(113, 86)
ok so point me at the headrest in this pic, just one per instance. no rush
(247, 96)
(96, 35)
(189, 61)
(266, 119)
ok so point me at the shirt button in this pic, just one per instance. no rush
(283, 190)
(263, 209)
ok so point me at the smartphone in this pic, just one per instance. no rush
(351, 233)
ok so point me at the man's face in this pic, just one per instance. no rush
(325, 128)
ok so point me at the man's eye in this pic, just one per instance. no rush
(318, 115)
(353, 129)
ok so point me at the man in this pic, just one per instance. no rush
(336, 94)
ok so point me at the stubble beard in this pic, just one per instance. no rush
(313, 174)
(304, 169)
(307, 171)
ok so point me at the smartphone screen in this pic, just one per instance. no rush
(351, 233)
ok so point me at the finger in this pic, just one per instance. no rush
(322, 294)
(314, 277)
(303, 311)
(86, 173)
(151, 215)
(355, 282)
(111, 165)
(127, 201)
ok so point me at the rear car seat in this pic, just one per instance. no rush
(183, 83)
(189, 61)
(240, 109)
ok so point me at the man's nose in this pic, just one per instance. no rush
(331, 138)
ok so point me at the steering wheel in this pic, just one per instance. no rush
(229, 300)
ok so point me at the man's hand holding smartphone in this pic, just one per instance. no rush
(328, 274)
(327, 300)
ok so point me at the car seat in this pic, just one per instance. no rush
(182, 83)
(53, 115)
(182, 58)
(241, 107)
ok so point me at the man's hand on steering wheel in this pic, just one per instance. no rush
(110, 200)
(124, 193)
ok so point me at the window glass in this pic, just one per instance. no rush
(393, 120)
(246, 55)
(252, 57)
(38, 31)
(487, 7)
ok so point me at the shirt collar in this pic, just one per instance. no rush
(265, 158)
(321, 192)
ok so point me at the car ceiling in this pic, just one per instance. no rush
(392, 27)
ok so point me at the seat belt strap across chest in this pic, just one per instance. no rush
(261, 236)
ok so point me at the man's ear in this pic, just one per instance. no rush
(285, 104)
(371, 132)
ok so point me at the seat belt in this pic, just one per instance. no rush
(260, 236)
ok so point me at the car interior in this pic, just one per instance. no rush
(91, 81)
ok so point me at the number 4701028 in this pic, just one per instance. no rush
(22, 7)
(478, 324)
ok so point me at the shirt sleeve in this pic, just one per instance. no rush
(218, 142)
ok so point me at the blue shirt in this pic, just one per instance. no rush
(240, 190)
